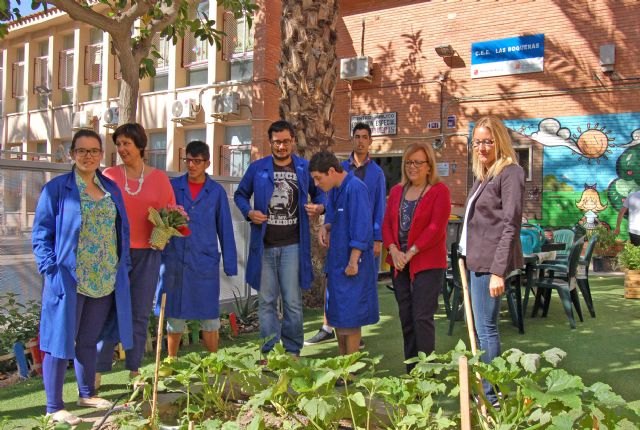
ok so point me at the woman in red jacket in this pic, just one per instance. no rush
(414, 231)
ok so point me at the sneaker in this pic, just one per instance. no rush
(65, 417)
(321, 336)
(94, 402)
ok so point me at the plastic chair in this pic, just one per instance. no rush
(566, 236)
(560, 277)
(583, 275)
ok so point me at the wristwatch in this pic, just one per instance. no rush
(413, 250)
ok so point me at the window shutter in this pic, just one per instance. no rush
(17, 78)
(93, 64)
(230, 28)
(40, 73)
(194, 51)
(65, 72)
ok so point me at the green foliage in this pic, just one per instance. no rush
(301, 393)
(629, 258)
(605, 246)
(551, 183)
(246, 308)
(18, 322)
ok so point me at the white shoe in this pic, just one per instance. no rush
(94, 402)
(64, 416)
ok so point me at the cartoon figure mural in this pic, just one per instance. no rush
(582, 150)
(590, 203)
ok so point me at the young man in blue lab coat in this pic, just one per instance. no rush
(352, 297)
(190, 272)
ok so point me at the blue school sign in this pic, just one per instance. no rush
(511, 56)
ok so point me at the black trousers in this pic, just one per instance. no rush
(417, 305)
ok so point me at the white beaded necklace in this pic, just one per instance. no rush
(140, 182)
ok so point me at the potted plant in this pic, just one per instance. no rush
(629, 258)
(606, 250)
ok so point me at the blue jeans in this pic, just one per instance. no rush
(280, 277)
(485, 317)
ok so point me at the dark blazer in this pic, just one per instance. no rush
(493, 223)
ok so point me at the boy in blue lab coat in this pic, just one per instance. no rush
(352, 296)
(190, 273)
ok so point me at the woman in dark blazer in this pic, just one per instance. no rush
(414, 230)
(491, 232)
(81, 246)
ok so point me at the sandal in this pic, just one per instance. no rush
(94, 402)
(64, 416)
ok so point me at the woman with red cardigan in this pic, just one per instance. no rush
(414, 231)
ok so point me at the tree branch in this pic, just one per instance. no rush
(80, 13)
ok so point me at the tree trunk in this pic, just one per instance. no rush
(308, 78)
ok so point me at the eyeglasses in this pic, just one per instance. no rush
(415, 163)
(285, 142)
(196, 161)
(478, 143)
(82, 152)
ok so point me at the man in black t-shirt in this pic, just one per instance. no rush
(279, 263)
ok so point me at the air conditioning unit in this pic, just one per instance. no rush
(355, 68)
(82, 119)
(111, 116)
(184, 110)
(225, 104)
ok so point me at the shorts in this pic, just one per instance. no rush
(177, 325)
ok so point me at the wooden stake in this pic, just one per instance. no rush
(154, 402)
(471, 331)
(465, 411)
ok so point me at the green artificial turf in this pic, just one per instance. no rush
(602, 349)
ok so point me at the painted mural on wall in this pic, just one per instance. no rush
(590, 164)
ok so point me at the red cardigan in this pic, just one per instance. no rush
(428, 231)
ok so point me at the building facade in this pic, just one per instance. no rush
(563, 76)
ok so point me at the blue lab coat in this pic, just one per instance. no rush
(56, 229)
(352, 301)
(258, 182)
(190, 269)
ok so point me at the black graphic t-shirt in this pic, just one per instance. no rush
(282, 223)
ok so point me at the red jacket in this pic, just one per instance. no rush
(428, 231)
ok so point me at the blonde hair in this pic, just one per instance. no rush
(432, 176)
(505, 154)
(590, 195)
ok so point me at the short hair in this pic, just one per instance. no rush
(324, 160)
(133, 131)
(198, 147)
(85, 133)
(505, 154)
(432, 177)
(361, 126)
(281, 126)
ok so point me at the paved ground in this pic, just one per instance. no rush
(18, 272)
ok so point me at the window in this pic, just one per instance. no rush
(41, 78)
(65, 72)
(195, 52)
(156, 152)
(17, 80)
(93, 64)
(237, 47)
(525, 160)
(160, 81)
(236, 152)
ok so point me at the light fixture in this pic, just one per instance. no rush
(445, 51)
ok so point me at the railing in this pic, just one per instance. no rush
(20, 185)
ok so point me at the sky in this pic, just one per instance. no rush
(25, 6)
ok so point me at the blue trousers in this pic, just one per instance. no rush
(143, 277)
(280, 277)
(485, 317)
(91, 315)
